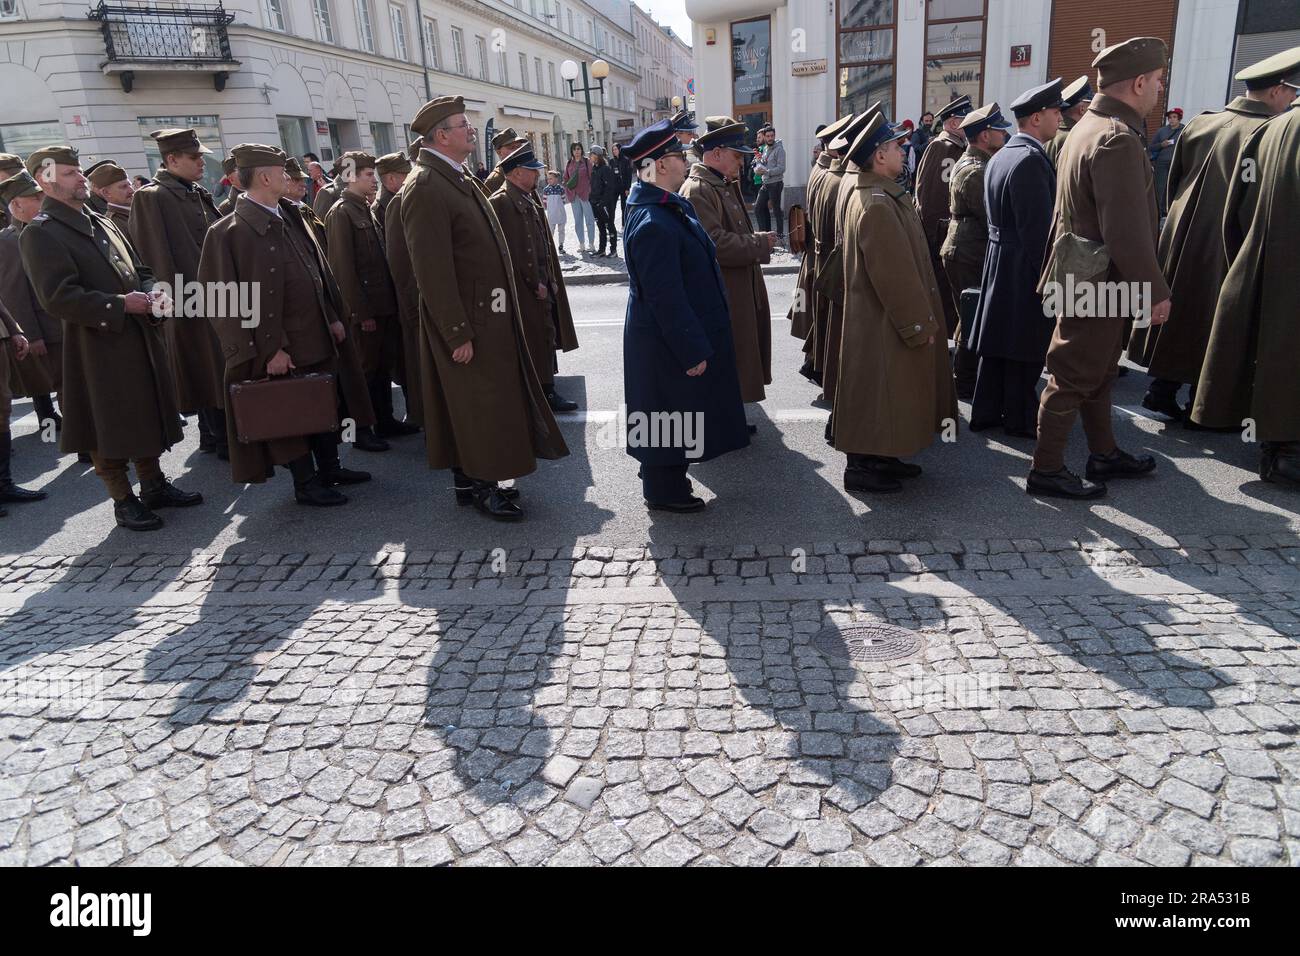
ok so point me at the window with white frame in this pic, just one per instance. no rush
(550, 77)
(324, 20)
(397, 18)
(570, 15)
(274, 13)
(480, 47)
(537, 72)
(432, 43)
(458, 50)
(503, 68)
(523, 71)
(365, 32)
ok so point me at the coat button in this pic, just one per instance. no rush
(916, 328)
(108, 305)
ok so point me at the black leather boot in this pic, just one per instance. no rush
(131, 513)
(557, 401)
(207, 441)
(44, 407)
(1280, 462)
(489, 500)
(1062, 484)
(865, 475)
(310, 488)
(326, 451)
(464, 487)
(8, 490)
(367, 440)
(893, 467)
(161, 493)
(1118, 464)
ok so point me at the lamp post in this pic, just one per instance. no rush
(599, 70)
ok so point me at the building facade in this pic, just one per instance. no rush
(797, 63)
(319, 76)
(665, 65)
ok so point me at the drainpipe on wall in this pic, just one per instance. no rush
(424, 53)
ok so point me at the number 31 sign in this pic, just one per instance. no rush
(1020, 55)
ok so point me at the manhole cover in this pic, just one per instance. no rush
(867, 642)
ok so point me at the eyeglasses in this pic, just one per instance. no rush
(458, 126)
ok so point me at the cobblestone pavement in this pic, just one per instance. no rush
(1101, 702)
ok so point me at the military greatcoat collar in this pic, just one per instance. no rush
(173, 182)
(707, 174)
(648, 194)
(73, 218)
(453, 175)
(258, 217)
(1104, 105)
(870, 179)
(518, 196)
(1249, 107)
(824, 159)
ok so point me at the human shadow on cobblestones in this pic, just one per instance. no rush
(500, 688)
(752, 696)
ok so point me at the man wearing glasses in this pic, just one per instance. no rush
(486, 417)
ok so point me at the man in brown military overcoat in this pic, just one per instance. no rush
(503, 144)
(169, 219)
(1103, 253)
(298, 328)
(11, 339)
(40, 374)
(231, 173)
(485, 415)
(391, 169)
(933, 173)
(967, 239)
(895, 390)
(360, 266)
(119, 403)
(110, 183)
(714, 191)
(543, 303)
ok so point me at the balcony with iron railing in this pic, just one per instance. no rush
(165, 38)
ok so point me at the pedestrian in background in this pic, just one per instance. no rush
(556, 217)
(1162, 155)
(623, 176)
(577, 190)
(604, 197)
(770, 169)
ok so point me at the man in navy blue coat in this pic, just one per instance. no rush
(680, 382)
(1011, 333)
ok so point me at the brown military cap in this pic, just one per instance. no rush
(829, 132)
(58, 155)
(178, 141)
(413, 150)
(294, 168)
(353, 161)
(435, 111)
(847, 135)
(392, 163)
(1282, 67)
(19, 184)
(228, 165)
(723, 131)
(105, 174)
(507, 137)
(9, 163)
(253, 155)
(1133, 57)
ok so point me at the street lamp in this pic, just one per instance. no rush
(569, 70)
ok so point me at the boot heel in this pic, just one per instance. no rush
(464, 496)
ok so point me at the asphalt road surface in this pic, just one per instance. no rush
(785, 489)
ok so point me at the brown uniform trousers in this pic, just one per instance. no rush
(1104, 193)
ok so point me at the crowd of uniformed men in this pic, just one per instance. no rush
(407, 269)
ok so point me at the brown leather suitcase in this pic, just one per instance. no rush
(287, 406)
(797, 222)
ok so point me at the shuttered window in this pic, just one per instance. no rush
(1081, 30)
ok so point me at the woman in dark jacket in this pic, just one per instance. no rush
(604, 197)
(623, 176)
(680, 384)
